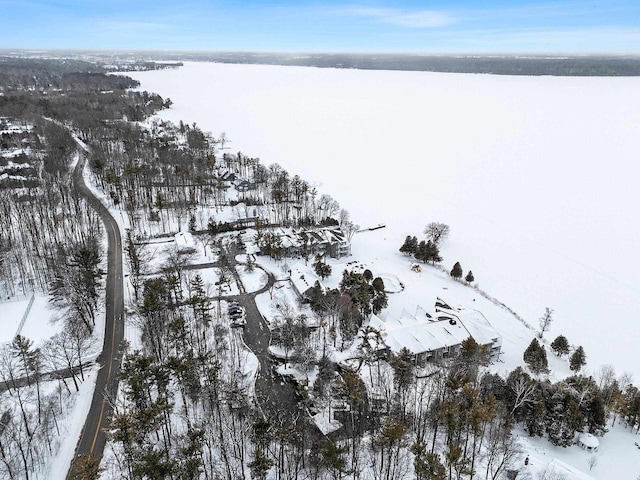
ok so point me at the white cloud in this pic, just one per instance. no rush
(404, 18)
(137, 26)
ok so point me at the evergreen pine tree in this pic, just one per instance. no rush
(378, 284)
(560, 345)
(250, 265)
(577, 360)
(535, 416)
(379, 302)
(535, 357)
(403, 368)
(85, 467)
(323, 270)
(261, 463)
(456, 271)
(428, 466)
(422, 252)
(563, 416)
(199, 301)
(333, 457)
(367, 275)
(469, 278)
(595, 414)
(409, 246)
(433, 252)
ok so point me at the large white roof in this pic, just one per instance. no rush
(419, 335)
(479, 327)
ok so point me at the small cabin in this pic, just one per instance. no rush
(588, 442)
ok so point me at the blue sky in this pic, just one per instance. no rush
(490, 26)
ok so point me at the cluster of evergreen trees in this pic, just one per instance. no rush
(428, 251)
(456, 272)
(423, 251)
(322, 269)
(345, 308)
(535, 356)
(365, 291)
(559, 410)
(577, 403)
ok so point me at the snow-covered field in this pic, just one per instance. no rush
(40, 324)
(535, 175)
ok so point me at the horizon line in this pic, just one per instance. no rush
(533, 54)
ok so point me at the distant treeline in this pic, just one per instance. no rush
(558, 66)
(586, 66)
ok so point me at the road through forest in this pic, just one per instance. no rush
(93, 437)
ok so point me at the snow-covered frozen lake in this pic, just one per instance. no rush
(536, 176)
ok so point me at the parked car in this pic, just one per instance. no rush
(237, 314)
(239, 322)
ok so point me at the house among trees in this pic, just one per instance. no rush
(432, 338)
(228, 176)
(244, 186)
(307, 243)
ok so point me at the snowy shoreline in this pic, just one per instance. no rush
(514, 164)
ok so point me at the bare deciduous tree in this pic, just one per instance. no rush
(501, 451)
(437, 231)
(550, 473)
(524, 389)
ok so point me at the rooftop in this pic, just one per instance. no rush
(419, 333)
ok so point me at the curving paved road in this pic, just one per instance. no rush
(277, 396)
(93, 438)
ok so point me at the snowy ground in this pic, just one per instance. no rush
(618, 444)
(41, 323)
(252, 281)
(11, 312)
(270, 303)
(534, 174)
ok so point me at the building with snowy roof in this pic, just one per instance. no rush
(303, 279)
(330, 241)
(588, 442)
(435, 337)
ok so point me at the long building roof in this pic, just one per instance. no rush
(421, 335)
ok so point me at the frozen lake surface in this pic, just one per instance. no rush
(537, 176)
